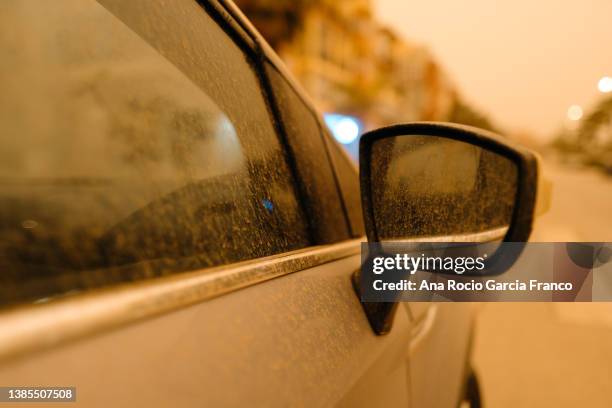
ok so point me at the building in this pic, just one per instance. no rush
(350, 64)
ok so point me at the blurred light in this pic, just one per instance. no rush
(605, 84)
(268, 205)
(345, 128)
(574, 112)
(29, 224)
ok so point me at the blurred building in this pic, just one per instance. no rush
(349, 63)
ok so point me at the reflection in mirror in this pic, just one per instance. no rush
(431, 188)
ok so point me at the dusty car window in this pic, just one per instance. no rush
(120, 163)
(313, 164)
(348, 178)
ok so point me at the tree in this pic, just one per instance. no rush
(277, 20)
(466, 115)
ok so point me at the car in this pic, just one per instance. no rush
(178, 227)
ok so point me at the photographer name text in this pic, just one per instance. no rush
(472, 285)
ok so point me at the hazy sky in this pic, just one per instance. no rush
(524, 62)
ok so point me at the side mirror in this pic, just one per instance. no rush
(434, 182)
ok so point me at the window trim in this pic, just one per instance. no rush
(35, 327)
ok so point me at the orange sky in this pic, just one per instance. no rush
(522, 61)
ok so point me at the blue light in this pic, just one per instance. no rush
(268, 205)
(345, 128)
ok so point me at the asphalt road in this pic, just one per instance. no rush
(581, 206)
(553, 354)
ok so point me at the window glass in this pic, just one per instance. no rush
(348, 178)
(122, 161)
(324, 205)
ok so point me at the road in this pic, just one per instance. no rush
(581, 207)
(553, 354)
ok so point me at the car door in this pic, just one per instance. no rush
(164, 242)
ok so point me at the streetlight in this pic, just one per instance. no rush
(345, 128)
(605, 84)
(574, 112)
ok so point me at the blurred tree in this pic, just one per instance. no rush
(464, 114)
(353, 64)
(594, 137)
(596, 127)
(277, 20)
(591, 142)
(564, 141)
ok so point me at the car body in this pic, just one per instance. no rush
(152, 266)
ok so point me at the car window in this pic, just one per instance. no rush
(348, 178)
(132, 148)
(324, 204)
